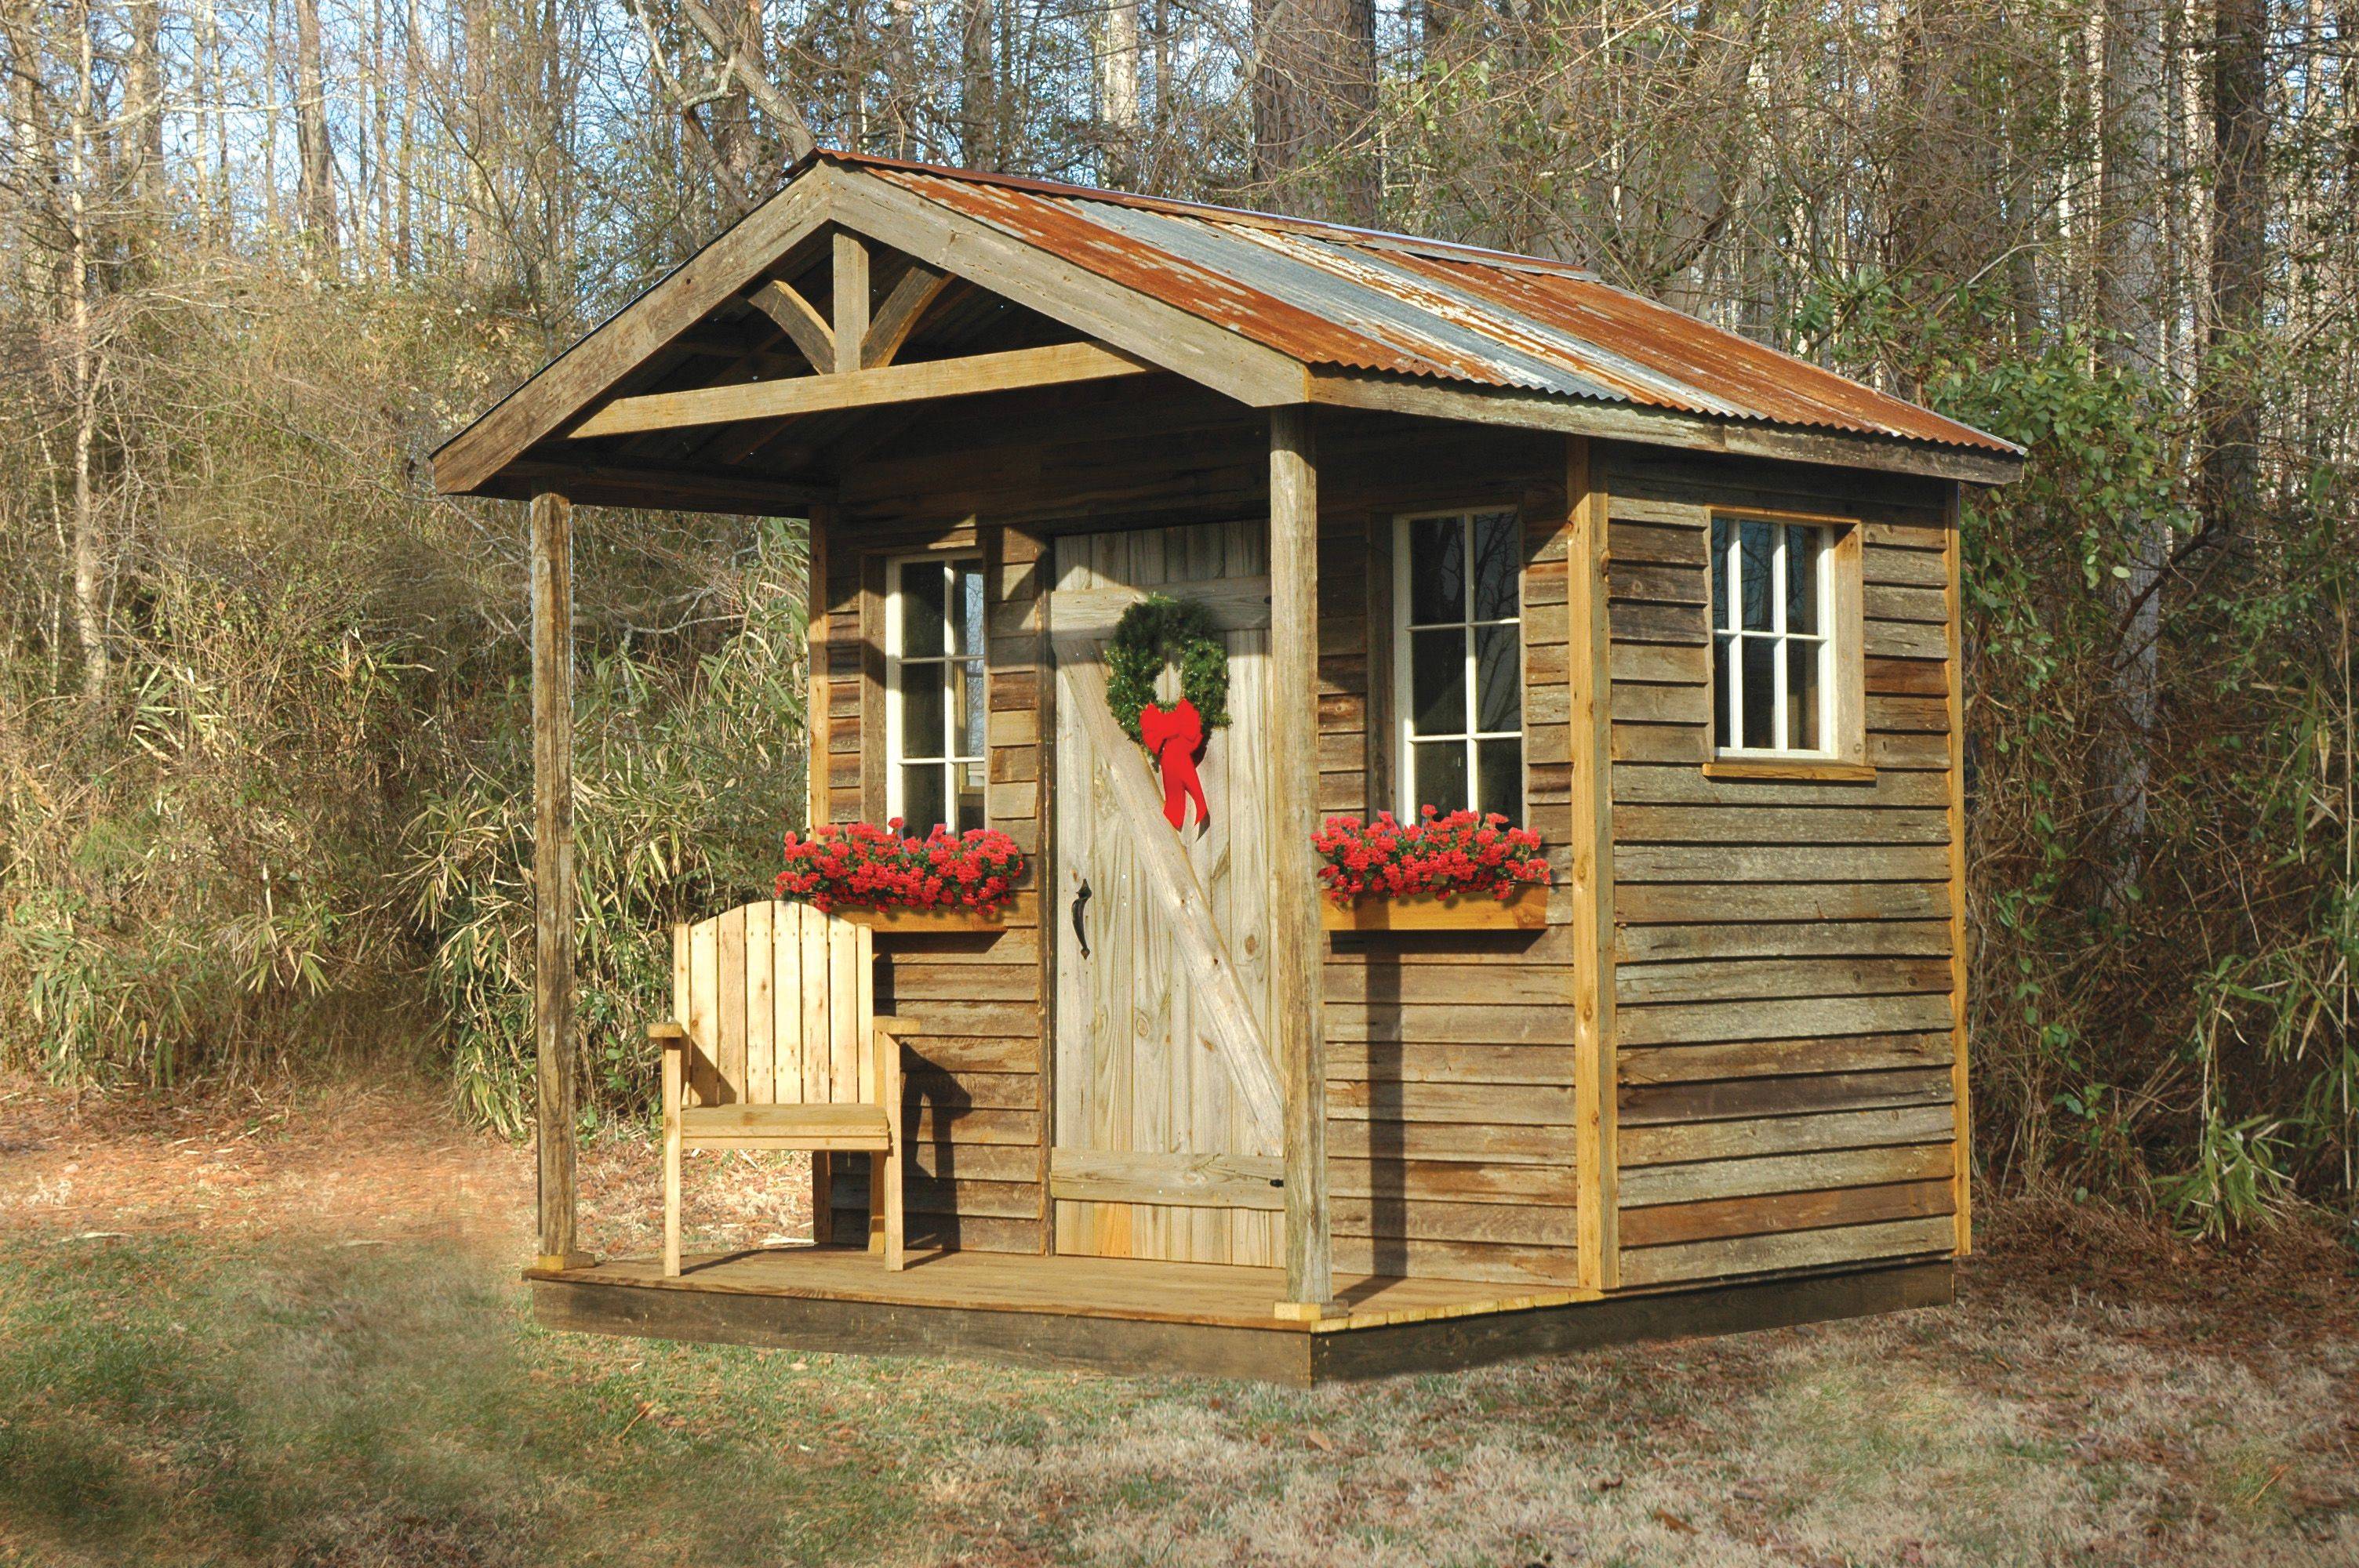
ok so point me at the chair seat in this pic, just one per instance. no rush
(823, 1127)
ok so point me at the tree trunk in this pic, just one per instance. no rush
(979, 143)
(1314, 93)
(316, 165)
(1118, 94)
(2240, 211)
(476, 113)
(2129, 314)
(33, 133)
(901, 86)
(732, 113)
(89, 545)
(143, 111)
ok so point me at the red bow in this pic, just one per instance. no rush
(1173, 734)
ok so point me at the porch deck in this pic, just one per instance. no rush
(1135, 1315)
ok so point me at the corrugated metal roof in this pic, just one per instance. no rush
(1361, 300)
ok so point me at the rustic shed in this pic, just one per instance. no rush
(1478, 530)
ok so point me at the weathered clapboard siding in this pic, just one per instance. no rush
(1782, 947)
(1414, 1146)
(973, 1086)
(1450, 1059)
(1783, 979)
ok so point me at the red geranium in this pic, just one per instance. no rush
(1460, 852)
(866, 867)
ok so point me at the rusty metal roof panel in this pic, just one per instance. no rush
(1357, 299)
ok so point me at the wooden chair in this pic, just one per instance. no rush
(776, 1043)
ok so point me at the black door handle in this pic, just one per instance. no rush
(1080, 932)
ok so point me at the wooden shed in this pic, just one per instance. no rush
(1478, 530)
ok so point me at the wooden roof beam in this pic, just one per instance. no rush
(1049, 366)
(799, 320)
(911, 298)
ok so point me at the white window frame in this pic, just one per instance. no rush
(1405, 738)
(1824, 644)
(896, 757)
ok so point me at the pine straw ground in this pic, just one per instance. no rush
(289, 1332)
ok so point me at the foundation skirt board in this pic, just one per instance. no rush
(1174, 1319)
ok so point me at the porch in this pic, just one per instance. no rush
(1135, 1315)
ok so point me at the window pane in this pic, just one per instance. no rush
(922, 705)
(1803, 545)
(970, 797)
(1438, 682)
(1499, 778)
(1802, 695)
(1760, 693)
(966, 609)
(1757, 542)
(1498, 679)
(921, 609)
(1498, 555)
(921, 798)
(1723, 603)
(1437, 570)
(972, 713)
(1440, 775)
(1722, 735)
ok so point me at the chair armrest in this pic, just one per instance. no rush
(898, 1025)
(670, 1036)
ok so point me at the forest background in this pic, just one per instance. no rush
(264, 769)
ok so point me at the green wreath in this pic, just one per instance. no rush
(1159, 630)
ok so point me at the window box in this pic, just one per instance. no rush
(917, 921)
(1524, 910)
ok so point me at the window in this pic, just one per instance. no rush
(1773, 648)
(1458, 655)
(934, 710)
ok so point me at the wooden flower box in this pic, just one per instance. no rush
(1525, 910)
(889, 922)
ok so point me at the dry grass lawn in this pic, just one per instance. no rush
(249, 1336)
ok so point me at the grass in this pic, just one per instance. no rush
(240, 1385)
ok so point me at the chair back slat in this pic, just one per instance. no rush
(779, 1000)
(761, 981)
(729, 1010)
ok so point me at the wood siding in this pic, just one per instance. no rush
(1782, 949)
(1782, 978)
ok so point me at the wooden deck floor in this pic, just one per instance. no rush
(1132, 1315)
(1134, 1290)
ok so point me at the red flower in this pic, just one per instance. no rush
(1459, 852)
(865, 866)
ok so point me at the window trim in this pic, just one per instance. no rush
(895, 760)
(1843, 672)
(1404, 737)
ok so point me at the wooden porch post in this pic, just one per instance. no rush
(1596, 1126)
(552, 870)
(820, 808)
(1298, 1006)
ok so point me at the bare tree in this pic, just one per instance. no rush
(1118, 84)
(1314, 89)
(978, 96)
(2230, 414)
(315, 158)
(2129, 289)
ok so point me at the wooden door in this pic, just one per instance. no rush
(1159, 1024)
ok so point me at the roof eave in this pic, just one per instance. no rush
(1666, 428)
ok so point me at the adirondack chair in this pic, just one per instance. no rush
(776, 1043)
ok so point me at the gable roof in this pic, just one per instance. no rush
(1359, 299)
(1319, 312)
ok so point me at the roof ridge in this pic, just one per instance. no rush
(1347, 234)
